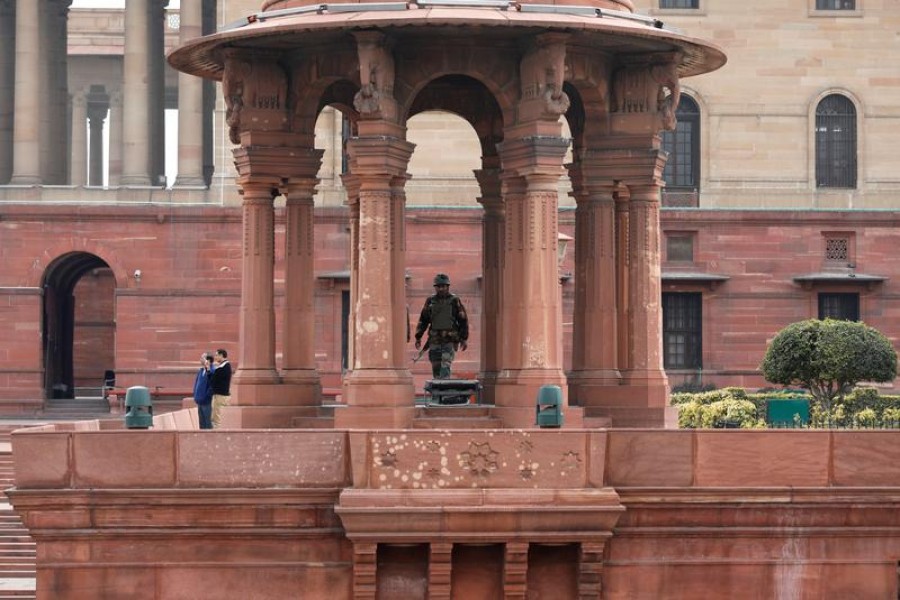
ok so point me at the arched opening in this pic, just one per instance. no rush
(836, 142)
(78, 326)
(456, 124)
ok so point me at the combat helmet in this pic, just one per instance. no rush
(441, 279)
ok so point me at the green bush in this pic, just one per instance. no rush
(729, 412)
(829, 358)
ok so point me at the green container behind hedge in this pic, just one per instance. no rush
(780, 412)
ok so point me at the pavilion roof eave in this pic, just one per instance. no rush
(201, 56)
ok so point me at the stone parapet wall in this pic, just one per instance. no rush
(634, 513)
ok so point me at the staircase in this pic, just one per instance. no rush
(17, 549)
(88, 407)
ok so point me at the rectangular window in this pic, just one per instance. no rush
(679, 3)
(679, 247)
(841, 306)
(835, 4)
(682, 330)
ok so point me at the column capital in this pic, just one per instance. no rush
(538, 154)
(380, 156)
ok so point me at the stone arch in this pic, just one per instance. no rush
(470, 65)
(466, 97)
(54, 252)
(62, 309)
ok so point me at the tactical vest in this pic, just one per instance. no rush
(442, 313)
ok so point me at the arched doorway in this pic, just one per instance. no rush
(78, 326)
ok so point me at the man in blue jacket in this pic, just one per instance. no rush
(203, 391)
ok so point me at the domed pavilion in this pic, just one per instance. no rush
(511, 69)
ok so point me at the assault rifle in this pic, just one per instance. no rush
(422, 350)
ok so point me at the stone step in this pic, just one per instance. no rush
(456, 423)
(470, 411)
(312, 423)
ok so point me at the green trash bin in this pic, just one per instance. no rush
(780, 412)
(549, 406)
(138, 408)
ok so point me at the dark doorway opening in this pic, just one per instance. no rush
(78, 326)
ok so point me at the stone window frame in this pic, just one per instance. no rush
(694, 346)
(850, 260)
(655, 9)
(681, 234)
(844, 299)
(811, 142)
(855, 12)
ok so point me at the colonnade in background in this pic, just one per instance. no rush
(52, 134)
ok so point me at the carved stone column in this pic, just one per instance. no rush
(623, 262)
(351, 184)
(7, 89)
(491, 279)
(97, 117)
(55, 117)
(440, 570)
(27, 126)
(256, 355)
(136, 95)
(594, 354)
(532, 323)
(190, 105)
(365, 570)
(156, 57)
(380, 388)
(115, 137)
(299, 375)
(515, 571)
(78, 175)
(645, 377)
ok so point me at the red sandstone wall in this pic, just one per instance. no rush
(188, 296)
(687, 514)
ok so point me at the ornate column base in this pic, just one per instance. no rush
(377, 398)
(516, 393)
(301, 386)
(255, 387)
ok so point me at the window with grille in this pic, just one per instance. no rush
(683, 145)
(679, 3)
(682, 330)
(835, 143)
(841, 306)
(679, 247)
(837, 249)
(835, 4)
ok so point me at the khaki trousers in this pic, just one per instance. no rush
(218, 403)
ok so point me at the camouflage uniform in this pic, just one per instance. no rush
(445, 318)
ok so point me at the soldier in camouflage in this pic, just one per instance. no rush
(445, 319)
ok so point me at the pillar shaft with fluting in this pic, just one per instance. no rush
(532, 316)
(595, 318)
(299, 321)
(26, 130)
(257, 314)
(136, 95)
(190, 105)
(379, 389)
(156, 129)
(492, 278)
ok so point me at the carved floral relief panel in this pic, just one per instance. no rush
(492, 459)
